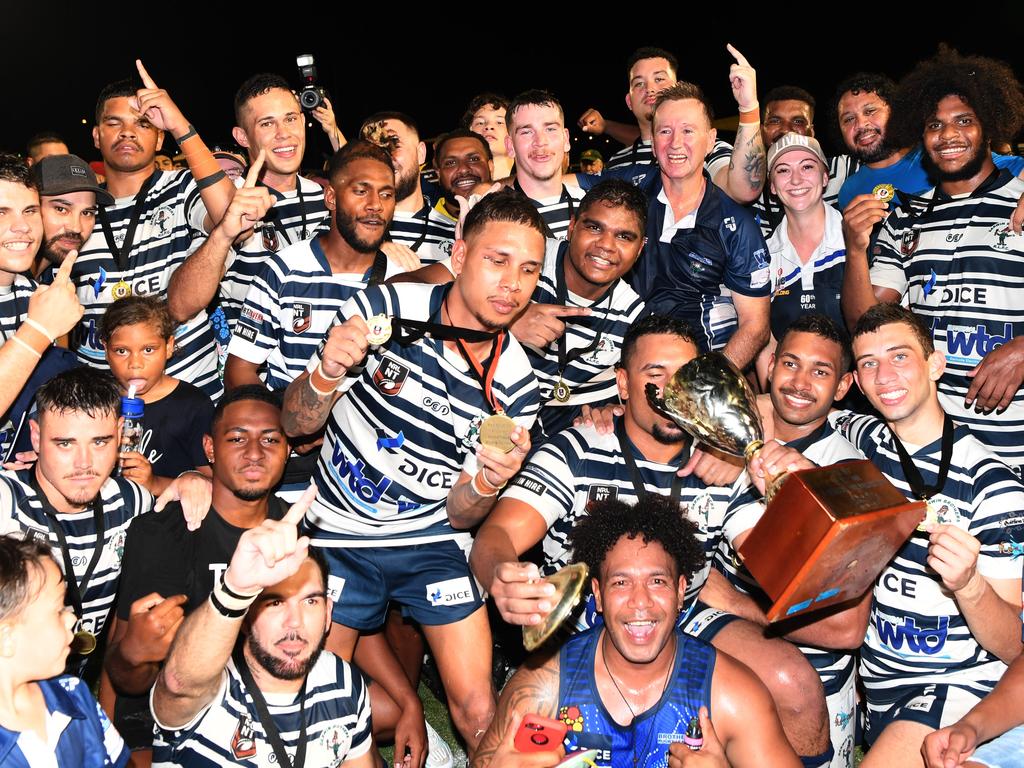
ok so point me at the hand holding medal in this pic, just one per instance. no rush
(503, 448)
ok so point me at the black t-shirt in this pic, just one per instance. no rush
(161, 555)
(173, 429)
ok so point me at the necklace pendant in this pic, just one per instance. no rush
(561, 391)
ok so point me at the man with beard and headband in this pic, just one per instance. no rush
(632, 688)
(950, 254)
(275, 697)
(155, 221)
(69, 498)
(416, 225)
(69, 196)
(863, 108)
(269, 119)
(293, 301)
(169, 570)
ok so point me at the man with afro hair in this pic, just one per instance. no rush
(950, 254)
(632, 688)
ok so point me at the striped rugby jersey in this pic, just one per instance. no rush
(286, 215)
(960, 267)
(428, 232)
(916, 633)
(405, 427)
(559, 211)
(21, 509)
(590, 377)
(13, 311)
(229, 732)
(288, 309)
(169, 229)
(579, 466)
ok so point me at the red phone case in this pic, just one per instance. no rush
(539, 734)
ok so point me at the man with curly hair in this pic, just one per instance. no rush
(950, 254)
(631, 688)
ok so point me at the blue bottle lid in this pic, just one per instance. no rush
(132, 407)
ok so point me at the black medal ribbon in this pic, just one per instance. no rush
(121, 254)
(913, 474)
(565, 356)
(272, 224)
(267, 721)
(75, 588)
(379, 269)
(626, 449)
(424, 230)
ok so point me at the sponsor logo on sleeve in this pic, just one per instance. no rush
(533, 486)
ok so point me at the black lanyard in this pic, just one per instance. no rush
(424, 230)
(271, 243)
(267, 721)
(408, 332)
(75, 588)
(379, 269)
(626, 449)
(565, 357)
(913, 474)
(122, 254)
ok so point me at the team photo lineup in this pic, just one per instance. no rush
(497, 448)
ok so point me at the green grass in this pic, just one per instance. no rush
(437, 715)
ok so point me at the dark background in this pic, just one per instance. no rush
(55, 57)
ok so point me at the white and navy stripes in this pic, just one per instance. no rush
(428, 232)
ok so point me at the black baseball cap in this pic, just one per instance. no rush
(58, 174)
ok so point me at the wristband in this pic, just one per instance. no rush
(24, 344)
(36, 325)
(483, 476)
(477, 491)
(194, 472)
(751, 116)
(228, 603)
(332, 381)
(188, 134)
(209, 181)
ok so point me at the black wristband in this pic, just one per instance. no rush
(209, 181)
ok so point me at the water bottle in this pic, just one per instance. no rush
(132, 409)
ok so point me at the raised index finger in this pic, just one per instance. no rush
(254, 170)
(64, 271)
(146, 79)
(567, 311)
(298, 509)
(740, 58)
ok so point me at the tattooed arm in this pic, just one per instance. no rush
(744, 178)
(533, 689)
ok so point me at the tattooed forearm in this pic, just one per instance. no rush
(304, 410)
(533, 689)
(744, 177)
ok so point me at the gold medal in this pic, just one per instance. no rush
(561, 392)
(884, 192)
(380, 330)
(83, 643)
(121, 290)
(496, 432)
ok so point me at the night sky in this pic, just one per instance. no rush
(54, 61)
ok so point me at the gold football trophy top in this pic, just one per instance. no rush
(569, 583)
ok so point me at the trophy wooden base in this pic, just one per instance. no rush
(826, 535)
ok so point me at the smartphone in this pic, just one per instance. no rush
(539, 734)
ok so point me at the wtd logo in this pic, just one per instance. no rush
(364, 488)
(965, 344)
(918, 640)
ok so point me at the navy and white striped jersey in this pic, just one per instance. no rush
(21, 509)
(590, 377)
(917, 634)
(294, 218)
(169, 229)
(799, 288)
(13, 311)
(559, 211)
(229, 731)
(428, 232)
(957, 264)
(579, 466)
(840, 167)
(406, 427)
(288, 309)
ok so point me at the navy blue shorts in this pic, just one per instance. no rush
(431, 582)
(933, 705)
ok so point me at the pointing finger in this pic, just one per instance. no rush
(64, 272)
(146, 79)
(740, 58)
(298, 509)
(567, 311)
(254, 170)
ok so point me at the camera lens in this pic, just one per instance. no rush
(539, 739)
(310, 98)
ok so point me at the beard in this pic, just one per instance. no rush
(874, 154)
(56, 255)
(347, 229)
(667, 435)
(405, 186)
(968, 171)
(250, 493)
(280, 668)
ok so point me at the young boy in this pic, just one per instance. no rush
(45, 718)
(138, 334)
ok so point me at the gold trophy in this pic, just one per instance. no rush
(569, 583)
(827, 532)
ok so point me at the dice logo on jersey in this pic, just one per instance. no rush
(927, 640)
(390, 376)
(909, 241)
(1002, 233)
(335, 741)
(450, 592)
(598, 493)
(243, 742)
(302, 316)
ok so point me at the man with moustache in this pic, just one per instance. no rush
(416, 224)
(69, 197)
(464, 163)
(950, 254)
